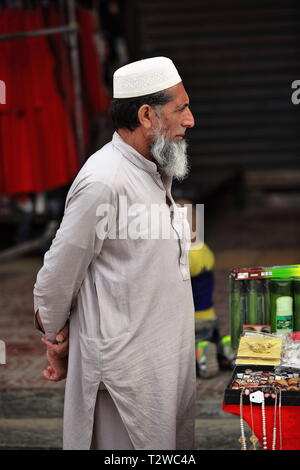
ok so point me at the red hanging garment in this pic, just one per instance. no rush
(40, 153)
(5, 108)
(19, 153)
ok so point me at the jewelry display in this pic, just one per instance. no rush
(258, 396)
(265, 337)
(256, 379)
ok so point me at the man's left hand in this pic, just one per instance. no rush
(61, 349)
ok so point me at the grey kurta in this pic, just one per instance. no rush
(130, 306)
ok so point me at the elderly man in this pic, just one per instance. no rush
(128, 299)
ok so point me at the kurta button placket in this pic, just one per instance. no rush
(178, 222)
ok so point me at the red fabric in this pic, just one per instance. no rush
(37, 144)
(290, 419)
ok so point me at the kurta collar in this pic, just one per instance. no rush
(133, 155)
(163, 181)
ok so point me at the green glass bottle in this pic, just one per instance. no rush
(255, 302)
(235, 312)
(267, 301)
(251, 318)
(281, 296)
(296, 290)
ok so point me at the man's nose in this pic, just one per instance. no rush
(188, 120)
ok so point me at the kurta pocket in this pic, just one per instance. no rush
(113, 307)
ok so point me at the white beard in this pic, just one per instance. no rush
(170, 156)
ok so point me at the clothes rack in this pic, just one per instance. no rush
(40, 32)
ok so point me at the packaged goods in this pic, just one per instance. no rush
(264, 299)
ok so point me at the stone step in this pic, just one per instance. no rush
(48, 403)
(28, 403)
(46, 434)
(32, 419)
(31, 433)
(210, 410)
(219, 434)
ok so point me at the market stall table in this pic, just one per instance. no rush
(290, 425)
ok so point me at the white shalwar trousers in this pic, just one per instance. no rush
(109, 432)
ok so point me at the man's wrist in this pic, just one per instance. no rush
(39, 323)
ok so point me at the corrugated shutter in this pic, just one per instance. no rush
(238, 60)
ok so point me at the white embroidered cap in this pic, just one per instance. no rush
(144, 77)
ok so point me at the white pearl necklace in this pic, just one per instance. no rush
(242, 439)
(264, 428)
(274, 426)
(259, 398)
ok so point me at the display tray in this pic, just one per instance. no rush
(232, 397)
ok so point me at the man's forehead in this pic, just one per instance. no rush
(179, 95)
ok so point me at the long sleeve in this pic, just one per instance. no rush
(76, 242)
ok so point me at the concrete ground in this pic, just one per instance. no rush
(267, 233)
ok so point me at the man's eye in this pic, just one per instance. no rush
(184, 108)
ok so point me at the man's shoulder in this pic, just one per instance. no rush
(100, 170)
(103, 164)
(102, 167)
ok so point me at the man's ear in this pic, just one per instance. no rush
(146, 115)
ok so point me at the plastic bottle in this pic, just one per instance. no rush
(281, 294)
